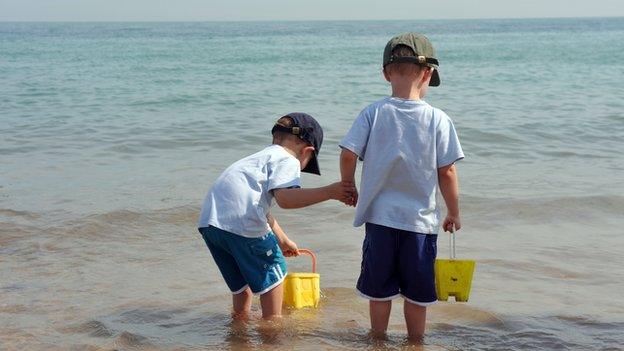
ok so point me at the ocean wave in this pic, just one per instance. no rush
(573, 208)
(490, 137)
(18, 214)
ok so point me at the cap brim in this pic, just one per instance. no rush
(312, 167)
(435, 78)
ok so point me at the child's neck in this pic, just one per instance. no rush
(290, 148)
(406, 90)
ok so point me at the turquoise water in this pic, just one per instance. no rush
(113, 132)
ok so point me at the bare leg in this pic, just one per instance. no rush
(380, 315)
(415, 317)
(271, 302)
(241, 303)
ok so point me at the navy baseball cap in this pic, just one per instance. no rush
(306, 128)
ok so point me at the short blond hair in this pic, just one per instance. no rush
(403, 68)
(279, 136)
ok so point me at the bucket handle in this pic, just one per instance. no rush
(312, 255)
(452, 244)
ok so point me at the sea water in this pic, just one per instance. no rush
(111, 134)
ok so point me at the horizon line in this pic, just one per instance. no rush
(307, 20)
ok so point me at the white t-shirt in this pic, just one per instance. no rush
(240, 198)
(402, 143)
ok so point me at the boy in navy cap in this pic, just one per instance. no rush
(409, 149)
(244, 239)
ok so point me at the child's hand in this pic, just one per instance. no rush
(352, 193)
(451, 223)
(289, 248)
(344, 192)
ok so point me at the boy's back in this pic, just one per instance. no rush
(246, 186)
(409, 149)
(403, 143)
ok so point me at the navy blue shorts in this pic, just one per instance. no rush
(398, 262)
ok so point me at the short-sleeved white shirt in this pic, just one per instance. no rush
(402, 143)
(240, 199)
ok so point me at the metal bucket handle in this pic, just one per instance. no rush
(312, 255)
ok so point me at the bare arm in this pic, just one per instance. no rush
(449, 187)
(289, 248)
(298, 197)
(348, 164)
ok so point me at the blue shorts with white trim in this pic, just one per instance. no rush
(397, 262)
(254, 262)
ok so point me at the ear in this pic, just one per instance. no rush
(305, 155)
(386, 74)
(307, 150)
(427, 73)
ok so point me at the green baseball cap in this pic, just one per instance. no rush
(425, 53)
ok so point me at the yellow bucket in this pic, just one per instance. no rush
(303, 289)
(453, 277)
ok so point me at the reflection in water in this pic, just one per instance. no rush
(238, 334)
(132, 289)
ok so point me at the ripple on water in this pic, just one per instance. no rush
(340, 322)
(93, 328)
(130, 340)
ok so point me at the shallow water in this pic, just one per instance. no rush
(112, 133)
(144, 280)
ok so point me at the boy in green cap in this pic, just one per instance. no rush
(409, 149)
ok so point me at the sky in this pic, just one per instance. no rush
(261, 10)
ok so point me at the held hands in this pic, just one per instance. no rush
(289, 248)
(352, 194)
(451, 223)
(345, 192)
